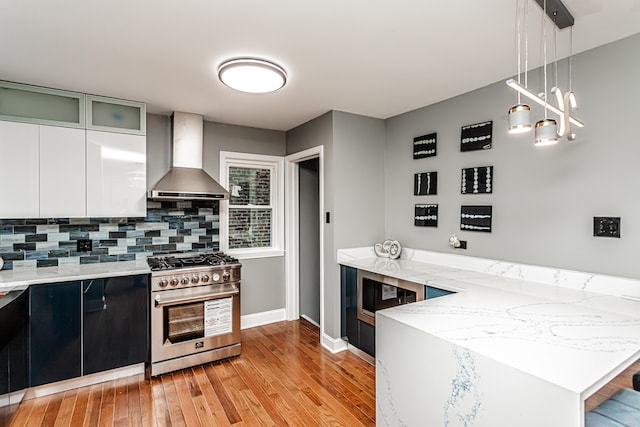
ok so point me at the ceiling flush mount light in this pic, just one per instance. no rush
(252, 75)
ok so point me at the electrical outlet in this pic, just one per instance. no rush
(606, 226)
(84, 245)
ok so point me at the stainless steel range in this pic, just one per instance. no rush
(195, 310)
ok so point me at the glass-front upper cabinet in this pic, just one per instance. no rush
(116, 115)
(35, 104)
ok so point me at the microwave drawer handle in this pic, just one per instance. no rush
(160, 302)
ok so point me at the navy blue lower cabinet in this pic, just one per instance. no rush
(14, 318)
(115, 322)
(367, 338)
(431, 292)
(349, 305)
(4, 371)
(54, 329)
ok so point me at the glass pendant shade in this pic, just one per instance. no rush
(519, 118)
(546, 132)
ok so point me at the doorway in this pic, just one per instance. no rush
(309, 239)
(293, 239)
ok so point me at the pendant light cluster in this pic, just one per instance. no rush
(547, 130)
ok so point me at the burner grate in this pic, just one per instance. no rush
(174, 262)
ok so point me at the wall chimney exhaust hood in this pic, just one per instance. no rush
(186, 180)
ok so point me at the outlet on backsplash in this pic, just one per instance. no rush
(84, 245)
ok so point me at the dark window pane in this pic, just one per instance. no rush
(249, 228)
(249, 186)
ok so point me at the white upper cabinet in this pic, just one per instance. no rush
(19, 170)
(42, 169)
(116, 175)
(63, 190)
(72, 155)
(34, 104)
(116, 115)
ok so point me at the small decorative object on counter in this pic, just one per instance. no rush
(388, 249)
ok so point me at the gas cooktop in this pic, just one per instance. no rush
(179, 261)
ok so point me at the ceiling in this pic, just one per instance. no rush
(377, 58)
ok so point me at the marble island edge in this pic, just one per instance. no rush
(567, 333)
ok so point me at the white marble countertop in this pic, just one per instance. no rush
(10, 279)
(572, 337)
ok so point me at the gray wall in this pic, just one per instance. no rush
(544, 198)
(158, 148)
(354, 190)
(309, 244)
(315, 133)
(262, 279)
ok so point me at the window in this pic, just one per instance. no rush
(252, 220)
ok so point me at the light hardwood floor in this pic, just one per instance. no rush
(283, 377)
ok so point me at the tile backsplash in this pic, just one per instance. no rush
(169, 227)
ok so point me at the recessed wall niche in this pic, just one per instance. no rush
(426, 216)
(476, 137)
(477, 180)
(476, 218)
(425, 184)
(425, 146)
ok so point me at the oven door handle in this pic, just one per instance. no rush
(196, 298)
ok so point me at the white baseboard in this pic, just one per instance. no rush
(86, 380)
(334, 345)
(11, 398)
(263, 318)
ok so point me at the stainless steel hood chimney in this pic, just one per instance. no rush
(186, 180)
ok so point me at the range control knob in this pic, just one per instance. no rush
(163, 283)
(185, 280)
(216, 277)
(174, 281)
(205, 278)
(195, 279)
(226, 276)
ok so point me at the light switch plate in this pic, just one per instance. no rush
(606, 226)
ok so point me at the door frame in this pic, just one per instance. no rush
(292, 231)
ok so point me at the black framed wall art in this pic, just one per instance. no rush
(476, 218)
(476, 137)
(478, 180)
(425, 184)
(425, 146)
(426, 216)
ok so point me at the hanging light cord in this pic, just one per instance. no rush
(555, 53)
(570, 58)
(544, 50)
(526, 44)
(519, 37)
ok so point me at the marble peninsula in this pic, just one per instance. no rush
(514, 345)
